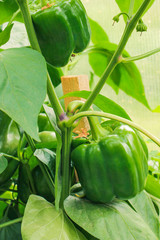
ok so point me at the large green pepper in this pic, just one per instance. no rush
(62, 29)
(112, 165)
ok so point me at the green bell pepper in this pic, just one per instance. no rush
(113, 165)
(43, 123)
(9, 139)
(9, 135)
(61, 28)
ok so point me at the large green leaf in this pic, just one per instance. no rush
(42, 222)
(108, 222)
(143, 205)
(124, 5)
(104, 103)
(5, 34)
(7, 9)
(23, 79)
(98, 33)
(125, 76)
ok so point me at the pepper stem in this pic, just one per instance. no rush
(96, 129)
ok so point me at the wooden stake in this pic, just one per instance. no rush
(75, 83)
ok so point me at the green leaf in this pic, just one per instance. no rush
(41, 221)
(98, 34)
(52, 118)
(7, 9)
(124, 6)
(11, 232)
(46, 156)
(153, 186)
(108, 222)
(23, 86)
(125, 76)
(3, 163)
(104, 103)
(143, 205)
(157, 109)
(5, 35)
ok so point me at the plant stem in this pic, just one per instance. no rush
(8, 190)
(6, 199)
(42, 167)
(9, 156)
(28, 170)
(115, 58)
(66, 144)
(6, 224)
(13, 17)
(115, 117)
(153, 197)
(35, 45)
(139, 57)
(96, 129)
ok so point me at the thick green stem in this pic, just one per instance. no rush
(115, 58)
(115, 117)
(35, 45)
(66, 145)
(6, 224)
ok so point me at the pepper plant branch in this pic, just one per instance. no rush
(13, 16)
(69, 122)
(6, 224)
(114, 60)
(141, 56)
(9, 156)
(35, 45)
(66, 144)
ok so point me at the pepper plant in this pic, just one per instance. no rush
(54, 184)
